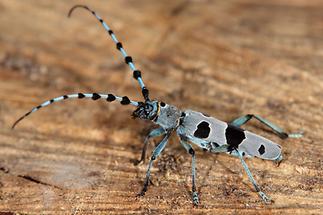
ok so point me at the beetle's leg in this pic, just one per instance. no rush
(191, 151)
(159, 148)
(154, 133)
(277, 130)
(264, 197)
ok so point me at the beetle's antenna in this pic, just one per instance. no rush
(127, 58)
(94, 96)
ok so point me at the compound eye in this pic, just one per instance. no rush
(148, 108)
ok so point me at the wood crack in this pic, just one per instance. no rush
(34, 180)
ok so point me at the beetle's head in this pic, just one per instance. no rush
(147, 110)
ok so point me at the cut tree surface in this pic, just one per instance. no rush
(224, 58)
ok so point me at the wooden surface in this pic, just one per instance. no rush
(225, 58)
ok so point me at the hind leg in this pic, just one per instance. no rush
(277, 130)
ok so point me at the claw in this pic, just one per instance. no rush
(144, 189)
(296, 135)
(137, 162)
(265, 198)
(195, 198)
(141, 194)
(278, 160)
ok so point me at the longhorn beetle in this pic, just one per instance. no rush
(191, 126)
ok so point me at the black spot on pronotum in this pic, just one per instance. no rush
(243, 153)
(128, 59)
(101, 20)
(111, 98)
(203, 130)
(110, 32)
(119, 45)
(125, 100)
(51, 101)
(136, 74)
(261, 150)
(234, 136)
(95, 96)
(38, 107)
(81, 95)
(65, 96)
(163, 104)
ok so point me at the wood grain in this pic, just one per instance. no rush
(225, 58)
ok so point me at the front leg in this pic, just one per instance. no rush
(159, 148)
(154, 133)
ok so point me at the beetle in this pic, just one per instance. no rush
(192, 127)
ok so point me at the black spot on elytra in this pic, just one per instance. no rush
(203, 130)
(234, 136)
(261, 150)
(65, 96)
